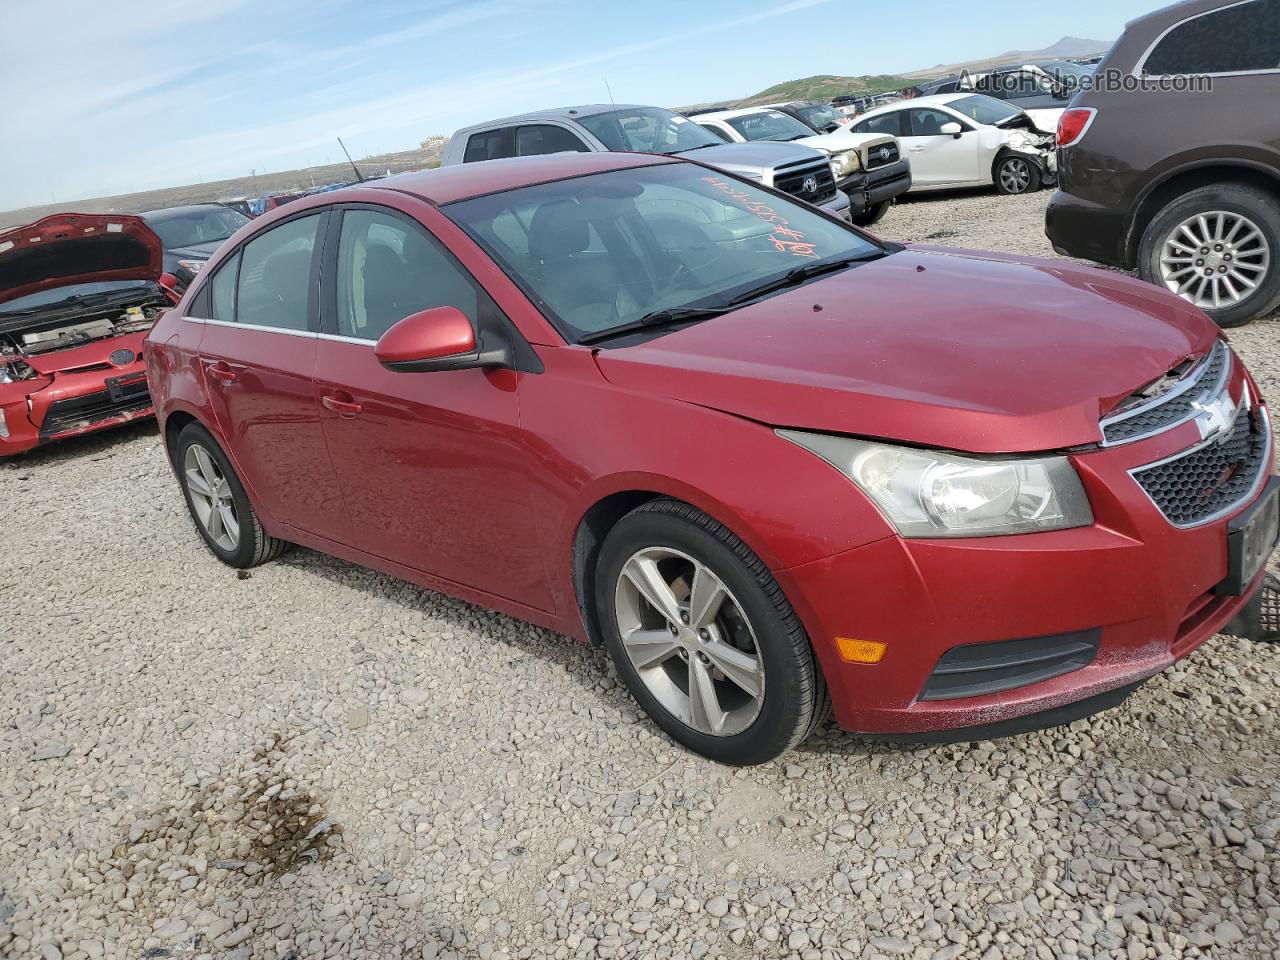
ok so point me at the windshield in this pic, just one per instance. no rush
(45, 298)
(206, 225)
(769, 125)
(647, 130)
(986, 110)
(819, 117)
(605, 250)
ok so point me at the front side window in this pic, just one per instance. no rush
(601, 251)
(647, 130)
(490, 145)
(890, 123)
(275, 276)
(388, 269)
(928, 123)
(1237, 39)
(769, 125)
(542, 138)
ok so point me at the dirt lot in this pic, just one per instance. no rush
(317, 760)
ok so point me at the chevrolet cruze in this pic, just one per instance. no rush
(773, 464)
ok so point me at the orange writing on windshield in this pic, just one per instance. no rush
(783, 238)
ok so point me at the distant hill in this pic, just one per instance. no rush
(822, 87)
(1066, 47)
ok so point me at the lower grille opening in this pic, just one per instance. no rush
(983, 668)
(74, 412)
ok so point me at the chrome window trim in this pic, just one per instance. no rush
(1189, 382)
(342, 338)
(253, 326)
(1142, 61)
(1263, 473)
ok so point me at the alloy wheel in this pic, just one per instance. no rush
(689, 641)
(1015, 175)
(211, 497)
(1215, 259)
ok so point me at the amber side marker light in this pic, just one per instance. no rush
(860, 651)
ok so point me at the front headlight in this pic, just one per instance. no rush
(928, 494)
(845, 163)
(192, 266)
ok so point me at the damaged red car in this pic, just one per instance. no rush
(78, 292)
(771, 463)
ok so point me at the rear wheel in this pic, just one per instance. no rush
(703, 637)
(1217, 247)
(873, 214)
(218, 504)
(1016, 175)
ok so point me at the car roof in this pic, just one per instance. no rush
(465, 180)
(172, 213)
(936, 99)
(735, 112)
(558, 113)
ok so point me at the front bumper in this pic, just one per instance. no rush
(75, 401)
(838, 205)
(868, 188)
(1146, 592)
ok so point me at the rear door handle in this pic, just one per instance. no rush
(341, 403)
(222, 372)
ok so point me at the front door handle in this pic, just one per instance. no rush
(341, 403)
(222, 372)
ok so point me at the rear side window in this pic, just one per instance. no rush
(388, 269)
(490, 145)
(544, 138)
(890, 123)
(224, 290)
(275, 276)
(1237, 39)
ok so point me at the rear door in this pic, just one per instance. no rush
(257, 357)
(432, 465)
(940, 159)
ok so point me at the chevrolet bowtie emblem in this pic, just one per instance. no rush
(1214, 418)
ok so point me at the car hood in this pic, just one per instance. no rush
(947, 348)
(843, 140)
(69, 248)
(756, 153)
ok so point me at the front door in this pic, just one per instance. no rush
(937, 158)
(257, 357)
(432, 465)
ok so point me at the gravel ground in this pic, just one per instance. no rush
(315, 760)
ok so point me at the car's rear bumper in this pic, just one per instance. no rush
(1142, 592)
(73, 402)
(1092, 231)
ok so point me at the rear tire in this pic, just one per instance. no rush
(1016, 175)
(679, 651)
(218, 504)
(873, 214)
(1247, 205)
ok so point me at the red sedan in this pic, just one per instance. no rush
(769, 461)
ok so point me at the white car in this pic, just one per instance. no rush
(869, 167)
(966, 140)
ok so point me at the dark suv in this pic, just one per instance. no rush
(1170, 164)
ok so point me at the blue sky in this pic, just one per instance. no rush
(103, 98)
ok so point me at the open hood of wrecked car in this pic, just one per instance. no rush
(69, 248)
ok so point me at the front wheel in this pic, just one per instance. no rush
(218, 504)
(872, 215)
(1216, 247)
(703, 637)
(1017, 175)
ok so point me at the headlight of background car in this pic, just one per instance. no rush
(845, 163)
(927, 494)
(191, 265)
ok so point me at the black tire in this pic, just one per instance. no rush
(1261, 207)
(1005, 184)
(795, 696)
(873, 214)
(254, 546)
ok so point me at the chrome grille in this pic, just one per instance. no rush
(792, 180)
(1173, 405)
(882, 155)
(1211, 479)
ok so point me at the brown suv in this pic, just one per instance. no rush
(1169, 162)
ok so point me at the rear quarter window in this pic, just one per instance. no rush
(1238, 39)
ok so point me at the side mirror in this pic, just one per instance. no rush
(169, 284)
(951, 129)
(439, 338)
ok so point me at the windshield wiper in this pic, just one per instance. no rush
(658, 318)
(798, 275)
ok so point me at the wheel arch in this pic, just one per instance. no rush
(1183, 180)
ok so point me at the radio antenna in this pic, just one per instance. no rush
(359, 177)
